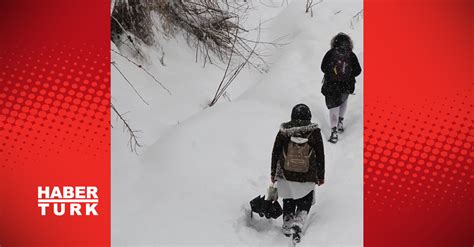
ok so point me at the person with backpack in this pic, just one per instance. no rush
(340, 66)
(297, 166)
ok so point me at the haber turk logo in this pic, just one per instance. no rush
(68, 200)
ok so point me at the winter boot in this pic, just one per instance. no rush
(298, 223)
(340, 125)
(334, 136)
(287, 223)
(296, 234)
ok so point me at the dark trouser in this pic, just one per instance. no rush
(292, 206)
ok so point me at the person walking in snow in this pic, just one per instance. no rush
(340, 66)
(297, 166)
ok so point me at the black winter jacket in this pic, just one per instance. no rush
(331, 87)
(299, 128)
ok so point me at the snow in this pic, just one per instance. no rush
(200, 166)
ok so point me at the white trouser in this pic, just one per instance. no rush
(336, 112)
(300, 219)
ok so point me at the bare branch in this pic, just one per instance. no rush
(129, 83)
(133, 142)
(146, 71)
(228, 78)
(310, 4)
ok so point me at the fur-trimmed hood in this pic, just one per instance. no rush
(342, 40)
(297, 128)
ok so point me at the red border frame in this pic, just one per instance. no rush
(54, 120)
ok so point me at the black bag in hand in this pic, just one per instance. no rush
(267, 208)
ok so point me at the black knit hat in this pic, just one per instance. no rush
(301, 112)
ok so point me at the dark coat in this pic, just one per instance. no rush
(332, 87)
(299, 128)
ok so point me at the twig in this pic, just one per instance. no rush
(146, 71)
(229, 78)
(310, 5)
(129, 83)
(356, 17)
(129, 37)
(133, 139)
(225, 73)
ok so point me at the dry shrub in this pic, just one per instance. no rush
(211, 26)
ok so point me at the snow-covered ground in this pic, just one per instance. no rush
(192, 181)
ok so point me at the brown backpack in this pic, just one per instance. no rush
(297, 156)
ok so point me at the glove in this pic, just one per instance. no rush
(320, 181)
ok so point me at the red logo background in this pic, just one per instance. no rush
(418, 131)
(54, 117)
